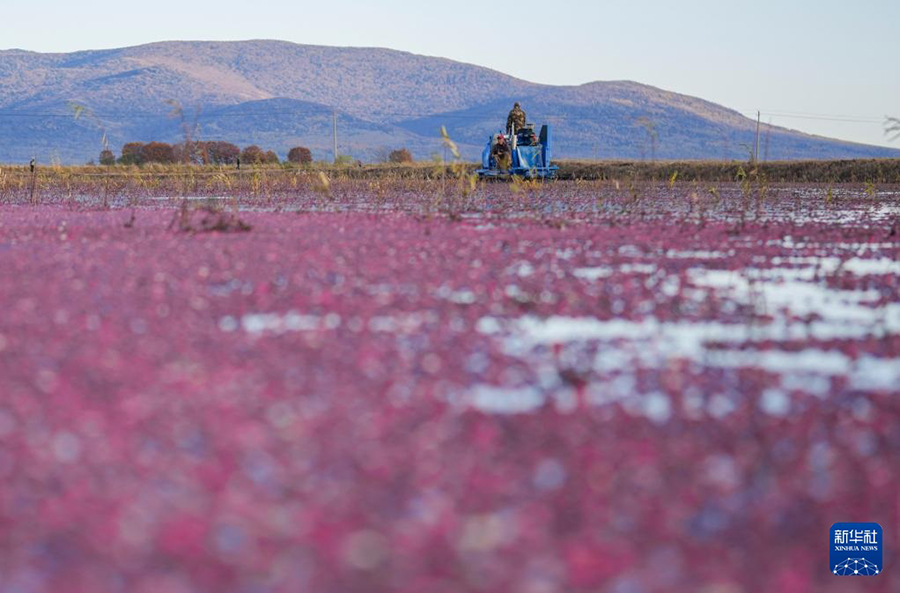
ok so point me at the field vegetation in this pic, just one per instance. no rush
(650, 379)
(258, 171)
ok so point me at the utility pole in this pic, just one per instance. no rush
(756, 152)
(334, 134)
(31, 166)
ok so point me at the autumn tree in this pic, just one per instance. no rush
(222, 153)
(157, 152)
(107, 157)
(299, 155)
(190, 152)
(400, 156)
(131, 153)
(253, 155)
(271, 158)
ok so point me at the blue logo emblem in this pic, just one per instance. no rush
(856, 549)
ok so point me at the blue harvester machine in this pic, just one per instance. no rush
(530, 156)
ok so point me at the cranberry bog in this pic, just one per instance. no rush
(438, 386)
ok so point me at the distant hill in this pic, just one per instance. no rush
(278, 94)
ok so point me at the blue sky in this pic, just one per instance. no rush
(828, 67)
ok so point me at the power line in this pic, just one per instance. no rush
(842, 115)
(818, 116)
(859, 120)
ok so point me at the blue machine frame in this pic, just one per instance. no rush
(530, 162)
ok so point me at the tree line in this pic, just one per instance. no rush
(200, 153)
(216, 152)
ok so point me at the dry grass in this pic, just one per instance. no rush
(192, 179)
(836, 171)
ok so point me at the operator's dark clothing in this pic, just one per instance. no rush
(502, 156)
(515, 118)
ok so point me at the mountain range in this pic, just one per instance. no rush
(60, 106)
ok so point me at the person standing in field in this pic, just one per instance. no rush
(501, 153)
(515, 120)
